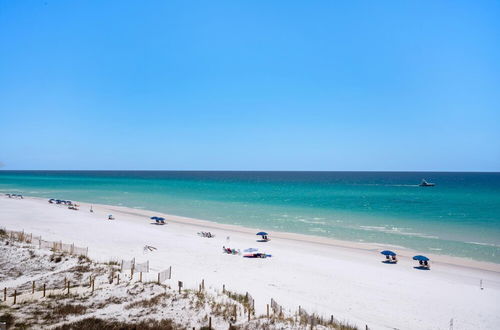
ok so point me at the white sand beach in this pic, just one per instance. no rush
(328, 277)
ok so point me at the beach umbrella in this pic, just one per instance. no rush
(251, 250)
(388, 253)
(261, 233)
(160, 218)
(420, 258)
(154, 218)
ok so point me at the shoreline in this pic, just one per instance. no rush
(348, 280)
(366, 247)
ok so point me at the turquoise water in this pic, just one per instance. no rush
(460, 216)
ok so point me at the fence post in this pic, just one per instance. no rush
(267, 310)
(210, 323)
(170, 273)
(65, 283)
(69, 283)
(15, 296)
(43, 289)
(4, 294)
(72, 248)
(223, 288)
(235, 314)
(90, 281)
(93, 282)
(140, 277)
(203, 284)
(118, 279)
(33, 288)
(158, 278)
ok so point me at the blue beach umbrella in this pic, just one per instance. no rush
(160, 218)
(261, 233)
(388, 253)
(421, 258)
(154, 218)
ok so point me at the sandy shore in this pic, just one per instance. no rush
(344, 279)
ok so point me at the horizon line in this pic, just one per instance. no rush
(318, 171)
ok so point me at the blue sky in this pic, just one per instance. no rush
(250, 85)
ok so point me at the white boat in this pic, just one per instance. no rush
(426, 184)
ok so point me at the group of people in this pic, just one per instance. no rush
(391, 259)
(70, 204)
(256, 255)
(424, 263)
(60, 201)
(230, 251)
(14, 196)
(206, 234)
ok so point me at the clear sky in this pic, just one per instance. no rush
(250, 85)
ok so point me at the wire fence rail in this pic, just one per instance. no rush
(56, 246)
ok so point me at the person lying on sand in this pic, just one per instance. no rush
(206, 234)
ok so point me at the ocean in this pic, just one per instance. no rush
(460, 216)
